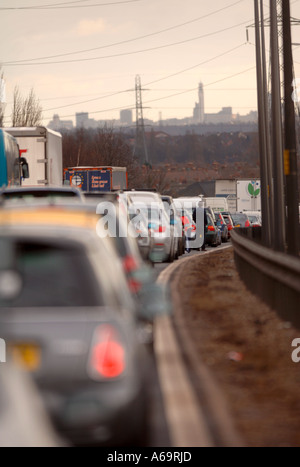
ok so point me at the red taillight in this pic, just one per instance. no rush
(129, 264)
(193, 227)
(247, 223)
(160, 229)
(107, 356)
(211, 228)
(134, 285)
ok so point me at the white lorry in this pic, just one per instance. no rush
(227, 189)
(217, 203)
(42, 148)
(238, 194)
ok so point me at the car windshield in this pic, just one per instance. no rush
(52, 276)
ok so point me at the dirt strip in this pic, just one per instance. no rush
(245, 346)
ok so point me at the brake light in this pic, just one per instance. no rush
(211, 228)
(161, 229)
(107, 357)
(247, 223)
(193, 227)
(129, 264)
(134, 285)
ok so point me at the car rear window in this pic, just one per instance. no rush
(237, 218)
(54, 276)
(227, 220)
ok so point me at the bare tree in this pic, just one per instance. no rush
(27, 111)
(101, 147)
(156, 179)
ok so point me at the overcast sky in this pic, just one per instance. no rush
(84, 56)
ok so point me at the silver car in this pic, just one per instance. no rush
(159, 229)
(68, 318)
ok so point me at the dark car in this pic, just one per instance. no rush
(212, 231)
(221, 223)
(68, 318)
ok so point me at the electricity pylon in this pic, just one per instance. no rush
(140, 148)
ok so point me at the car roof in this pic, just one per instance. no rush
(50, 189)
(144, 194)
(13, 193)
(48, 215)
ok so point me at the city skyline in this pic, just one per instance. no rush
(199, 117)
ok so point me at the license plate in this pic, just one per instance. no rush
(27, 356)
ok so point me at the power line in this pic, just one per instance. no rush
(194, 66)
(127, 53)
(53, 7)
(130, 107)
(125, 41)
(147, 84)
(193, 89)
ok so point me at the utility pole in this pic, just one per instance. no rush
(290, 146)
(277, 147)
(140, 149)
(263, 125)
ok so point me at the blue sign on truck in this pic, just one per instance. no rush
(95, 179)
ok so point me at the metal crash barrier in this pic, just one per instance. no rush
(271, 275)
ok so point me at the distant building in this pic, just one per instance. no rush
(57, 124)
(224, 116)
(201, 103)
(198, 114)
(126, 117)
(82, 120)
(250, 117)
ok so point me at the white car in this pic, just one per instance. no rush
(159, 229)
(150, 197)
(146, 197)
(190, 206)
